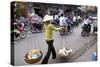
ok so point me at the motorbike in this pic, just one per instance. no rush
(19, 31)
(86, 29)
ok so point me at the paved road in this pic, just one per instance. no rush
(74, 41)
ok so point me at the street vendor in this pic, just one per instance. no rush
(49, 28)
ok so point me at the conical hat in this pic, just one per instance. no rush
(47, 18)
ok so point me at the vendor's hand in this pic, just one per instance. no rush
(63, 29)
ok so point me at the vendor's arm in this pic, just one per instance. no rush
(54, 28)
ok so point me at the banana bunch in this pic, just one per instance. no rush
(34, 53)
(64, 52)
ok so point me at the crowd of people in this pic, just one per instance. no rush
(67, 21)
(34, 22)
(20, 24)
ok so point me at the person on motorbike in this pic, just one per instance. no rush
(18, 27)
(63, 23)
(87, 26)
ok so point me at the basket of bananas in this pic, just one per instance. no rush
(64, 52)
(33, 56)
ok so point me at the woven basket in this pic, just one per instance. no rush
(31, 61)
(60, 55)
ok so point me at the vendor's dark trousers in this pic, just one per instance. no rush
(51, 49)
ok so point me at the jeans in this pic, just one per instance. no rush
(51, 49)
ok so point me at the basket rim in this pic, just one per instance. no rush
(30, 61)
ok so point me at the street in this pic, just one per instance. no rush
(81, 50)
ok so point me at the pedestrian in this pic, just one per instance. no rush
(49, 28)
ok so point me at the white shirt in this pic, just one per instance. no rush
(74, 18)
(95, 23)
(87, 21)
(56, 17)
(78, 17)
(62, 21)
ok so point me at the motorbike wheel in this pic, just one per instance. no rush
(23, 34)
(83, 33)
(16, 35)
(33, 30)
(15, 38)
(27, 28)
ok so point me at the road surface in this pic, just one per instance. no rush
(74, 40)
